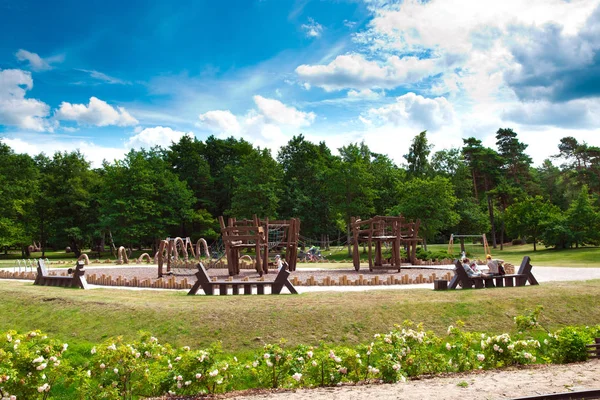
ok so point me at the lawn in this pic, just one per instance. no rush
(244, 323)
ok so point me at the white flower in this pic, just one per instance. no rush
(266, 356)
(116, 370)
(343, 370)
(13, 397)
(396, 367)
(102, 366)
(112, 347)
(170, 366)
(53, 359)
(480, 357)
(177, 359)
(188, 383)
(147, 353)
(88, 373)
(153, 339)
(450, 329)
(179, 378)
(32, 334)
(8, 338)
(297, 376)
(255, 364)
(186, 348)
(65, 345)
(510, 347)
(300, 359)
(448, 347)
(219, 381)
(41, 367)
(314, 363)
(337, 359)
(269, 363)
(545, 341)
(309, 354)
(198, 376)
(38, 360)
(496, 347)
(179, 385)
(501, 350)
(137, 355)
(214, 373)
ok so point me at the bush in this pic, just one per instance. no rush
(32, 366)
(517, 242)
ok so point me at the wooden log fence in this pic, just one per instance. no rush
(172, 282)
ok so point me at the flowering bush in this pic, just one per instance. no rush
(32, 366)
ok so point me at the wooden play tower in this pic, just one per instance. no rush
(380, 231)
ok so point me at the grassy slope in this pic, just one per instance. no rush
(245, 322)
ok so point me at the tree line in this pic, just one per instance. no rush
(61, 201)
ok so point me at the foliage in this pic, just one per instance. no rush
(527, 217)
(32, 367)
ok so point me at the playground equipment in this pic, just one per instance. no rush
(384, 230)
(122, 254)
(264, 236)
(461, 238)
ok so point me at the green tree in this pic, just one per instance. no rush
(351, 185)
(142, 200)
(306, 169)
(583, 219)
(515, 161)
(417, 157)
(431, 200)
(18, 191)
(68, 190)
(257, 186)
(528, 217)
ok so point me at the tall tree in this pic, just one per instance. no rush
(18, 191)
(351, 184)
(431, 200)
(583, 219)
(68, 192)
(257, 186)
(417, 157)
(515, 161)
(527, 217)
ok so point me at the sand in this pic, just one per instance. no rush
(497, 384)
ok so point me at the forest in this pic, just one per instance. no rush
(59, 200)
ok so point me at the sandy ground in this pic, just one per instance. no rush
(498, 384)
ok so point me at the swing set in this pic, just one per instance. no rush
(461, 240)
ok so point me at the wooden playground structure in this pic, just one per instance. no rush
(380, 231)
(169, 250)
(264, 237)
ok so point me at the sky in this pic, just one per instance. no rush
(107, 76)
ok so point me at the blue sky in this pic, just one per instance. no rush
(105, 76)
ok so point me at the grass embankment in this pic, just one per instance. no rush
(243, 323)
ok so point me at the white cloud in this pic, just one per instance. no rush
(105, 78)
(220, 121)
(277, 112)
(417, 111)
(15, 109)
(157, 136)
(353, 71)
(36, 62)
(49, 144)
(581, 113)
(312, 29)
(365, 94)
(97, 112)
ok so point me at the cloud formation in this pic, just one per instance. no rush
(353, 71)
(312, 29)
(277, 112)
(15, 109)
(156, 136)
(97, 113)
(415, 110)
(36, 62)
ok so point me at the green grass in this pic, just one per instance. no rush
(244, 323)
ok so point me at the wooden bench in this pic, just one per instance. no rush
(203, 281)
(76, 280)
(522, 276)
(594, 349)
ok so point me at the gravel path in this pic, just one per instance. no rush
(484, 385)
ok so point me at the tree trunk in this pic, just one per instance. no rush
(75, 249)
(425, 242)
(534, 244)
(491, 212)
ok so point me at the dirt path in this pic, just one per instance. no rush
(499, 384)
